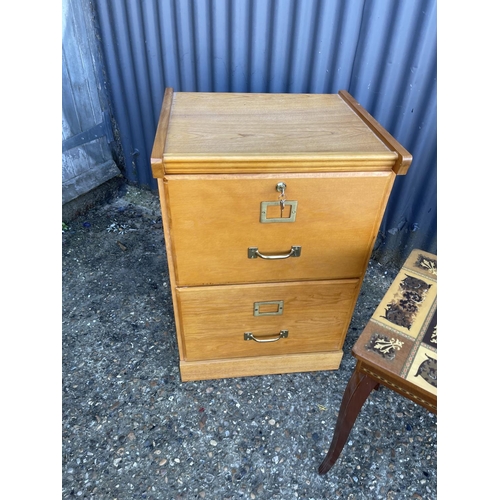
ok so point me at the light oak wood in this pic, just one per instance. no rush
(171, 264)
(215, 220)
(258, 163)
(315, 314)
(246, 133)
(161, 135)
(226, 124)
(260, 365)
(217, 156)
(404, 157)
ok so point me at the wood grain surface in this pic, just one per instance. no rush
(214, 220)
(215, 318)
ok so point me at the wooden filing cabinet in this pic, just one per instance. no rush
(271, 204)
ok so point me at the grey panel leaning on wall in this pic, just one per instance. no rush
(382, 51)
(87, 160)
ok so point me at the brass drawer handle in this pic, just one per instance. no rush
(249, 336)
(253, 253)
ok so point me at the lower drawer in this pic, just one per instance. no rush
(234, 321)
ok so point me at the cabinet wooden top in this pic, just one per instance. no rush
(201, 132)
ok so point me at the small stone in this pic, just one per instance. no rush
(213, 442)
(272, 421)
(163, 461)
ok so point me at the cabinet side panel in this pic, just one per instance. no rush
(376, 226)
(162, 190)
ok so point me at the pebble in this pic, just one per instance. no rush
(142, 414)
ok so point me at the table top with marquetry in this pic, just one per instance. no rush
(399, 344)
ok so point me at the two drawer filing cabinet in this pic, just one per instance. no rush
(271, 204)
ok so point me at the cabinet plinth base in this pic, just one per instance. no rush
(262, 365)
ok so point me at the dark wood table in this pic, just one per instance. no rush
(398, 348)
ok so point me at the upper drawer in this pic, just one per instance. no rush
(215, 219)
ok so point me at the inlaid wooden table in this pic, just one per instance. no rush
(398, 348)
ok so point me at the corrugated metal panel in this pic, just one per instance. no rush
(382, 51)
(394, 78)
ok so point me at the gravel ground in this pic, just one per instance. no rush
(131, 429)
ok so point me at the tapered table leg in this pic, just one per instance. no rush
(357, 390)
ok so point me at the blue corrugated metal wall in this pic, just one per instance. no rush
(382, 51)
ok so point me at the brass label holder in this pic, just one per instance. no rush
(278, 304)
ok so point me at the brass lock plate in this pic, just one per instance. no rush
(287, 205)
